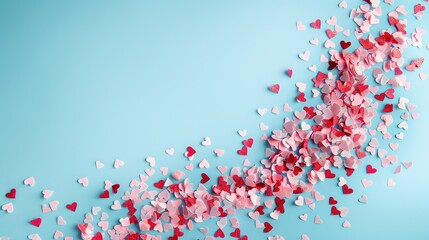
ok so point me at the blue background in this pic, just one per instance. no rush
(82, 81)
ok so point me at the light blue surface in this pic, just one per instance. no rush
(101, 80)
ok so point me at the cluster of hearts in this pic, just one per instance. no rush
(334, 134)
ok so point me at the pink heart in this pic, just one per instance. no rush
(8, 207)
(30, 181)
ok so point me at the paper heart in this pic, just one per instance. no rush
(267, 227)
(204, 164)
(151, 161)
(363, 199)
(34, 237)
(118, 163)
(242, 133)
(178, 175)
(343, 4)
(189, 167)
(299, 201)
(170, 151)
(305, 55)
(84, 181)
(95, 210)
(346, 224)
(206, 142)
(329, 44)
(304, 237)
(219, 152)
(314, 41)
(8, 207)
(58, 234)
(262, 111)
(318, 220)
(300, 26)
(164, 170)
(61, 221)
(30, 181)
(366, 183)
(275, 110)
(99, 164)
(116, 205)
(303, 217)
(45, 208)
(54, 205)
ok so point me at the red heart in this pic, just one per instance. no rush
(388, 108)
(219, 233)
(301, 97)
(268, 227)
(316, 24)
(360, 154)
(242, 151)
(332, 201)
(36, 222)
(204, 178)
(330, 33)
(133, 219)
(418, 8)
(280, 205)
(177, 232)
(105, 194)
(393, 20)
(380, 97)
(275, 88)
(115, 188)
(349, 171)
(335, 211)
(159, 184)
(191, 151)
(347, 190)
(97, 236)
(289, 73)
(72, 206)
(243, 238)
(329, 174)
(248, 142)
(236, 233)
(11, 194)
(370, 169)
(260, 210)
(345, 45)
(133, 236)
(398, 71)
(332, 65)
(390, 93)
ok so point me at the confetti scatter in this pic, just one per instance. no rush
(315, 143)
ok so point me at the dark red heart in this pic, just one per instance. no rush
(11, 194)
(345, 45)
(349, 171)
(329, 174)
(105, 194)
(243, 238)
(115, 188)
(204, 178)
(267, 227)
(335, 211)
(260, 210)
(370, 169)
(347, 190)
(72, 206)
(332, 201)
(36, 222)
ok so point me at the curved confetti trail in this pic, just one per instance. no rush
(311, 146)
